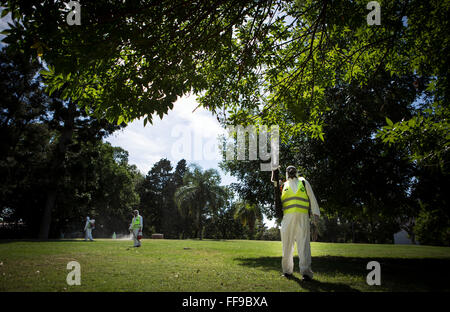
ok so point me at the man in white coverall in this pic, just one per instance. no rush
(88, 230)
(136, 227)
(297, 200)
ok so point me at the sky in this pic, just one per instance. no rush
(182, 133)
(4, 24)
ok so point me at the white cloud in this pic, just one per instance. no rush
(199, 121)
(182, 133)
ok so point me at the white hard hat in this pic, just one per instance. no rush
(291, 170)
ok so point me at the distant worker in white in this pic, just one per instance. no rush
(298, 200)
(90, 225)
(136, 228)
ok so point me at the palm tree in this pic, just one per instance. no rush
(248, 214)
(200, 194)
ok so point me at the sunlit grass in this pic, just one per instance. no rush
(209, 265)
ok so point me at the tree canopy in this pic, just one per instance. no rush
(55, 168)
(200, 194)
(126, 59)
(249, 61)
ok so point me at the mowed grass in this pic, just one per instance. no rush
(210, 265)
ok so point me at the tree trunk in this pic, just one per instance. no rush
(277, 196)
(186, 232)
(197, 224)
(47, 216)
(251, 226)
(353, 233)
(411, 234)
(410, 230)
(413, 238)
(199, 230)
(55, 168)
(371, 238)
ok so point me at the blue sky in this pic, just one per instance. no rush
(182, 133)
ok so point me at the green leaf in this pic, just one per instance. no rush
(389, 122)
(4, 13)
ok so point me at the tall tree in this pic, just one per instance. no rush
(154, 201)
(353, 174)
(248, 214)
(50, 126)
(25, 139)
(100, 183)
(255, 59)
(221, 224)
(183, 224)
(200, 194)
(126, 59)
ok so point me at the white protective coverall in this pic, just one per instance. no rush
(295, 228)
(136, 229)
(88, 230)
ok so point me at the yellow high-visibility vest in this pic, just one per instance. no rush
(294, 202)
(137, 222)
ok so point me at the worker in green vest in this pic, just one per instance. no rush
(89, 226)
(298, 202)
(136, 226)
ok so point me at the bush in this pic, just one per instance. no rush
(272, 234)
(432, 227)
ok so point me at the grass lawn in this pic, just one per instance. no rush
(210, 265)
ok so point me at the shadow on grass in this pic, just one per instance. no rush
(397, 274)
(316, 285)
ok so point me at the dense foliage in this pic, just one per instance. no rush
(55, 168)
(362, 108)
